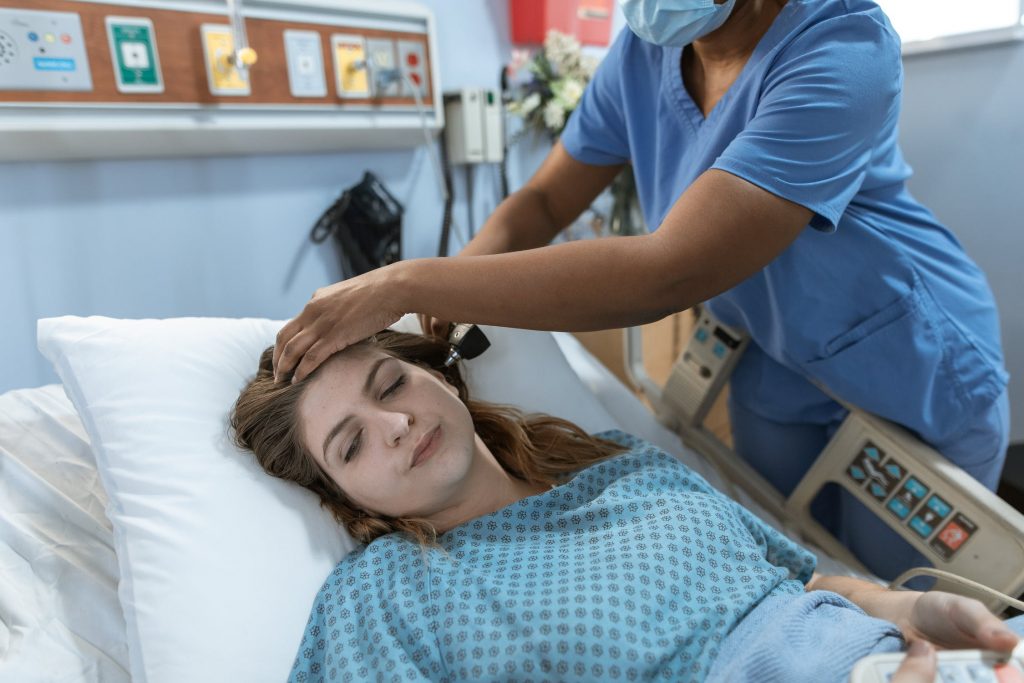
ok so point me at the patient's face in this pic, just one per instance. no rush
(386, 408)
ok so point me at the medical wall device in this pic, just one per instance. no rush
(142, 78)
(960, 526)
(473, 128)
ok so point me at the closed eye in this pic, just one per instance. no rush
(357, 442)
(394, 387)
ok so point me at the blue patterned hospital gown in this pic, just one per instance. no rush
(635, 569)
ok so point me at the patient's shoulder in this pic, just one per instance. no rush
(361, 571)
(648, 462)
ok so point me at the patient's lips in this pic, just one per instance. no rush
(427, 446)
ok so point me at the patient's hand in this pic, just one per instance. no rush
(944, 619)
(953, 621)
(918, 666)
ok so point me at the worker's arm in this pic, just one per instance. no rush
(722, 230)
(719, 232)
(560, 190)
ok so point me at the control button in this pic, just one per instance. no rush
(954, 673)
(908, 497)
(888, 475)
(65, 38)
(953, 536)
(923, 530)
(33, 36)
(916, 488)
(869, 461)
(856, 473)
(702, 332)
(412, 59)
(415, 78)
(938, 506)
(980, 673)
(898, 508)
(1008, 673)
(718, 349)
(705, 371)
(50, 38)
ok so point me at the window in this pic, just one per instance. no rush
(928, 25)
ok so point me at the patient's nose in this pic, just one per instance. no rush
(397, 426)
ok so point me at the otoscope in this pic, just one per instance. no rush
(467, 341)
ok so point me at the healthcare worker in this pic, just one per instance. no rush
(763, 138)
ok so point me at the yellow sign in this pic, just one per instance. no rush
(350, 66)
(225, 79)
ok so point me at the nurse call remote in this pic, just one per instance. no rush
(954, 666)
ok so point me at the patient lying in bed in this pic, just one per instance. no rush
(503, 546)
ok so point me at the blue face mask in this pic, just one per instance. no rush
(674, 23)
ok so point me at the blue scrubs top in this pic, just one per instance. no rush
(635, 569)
(878, 301)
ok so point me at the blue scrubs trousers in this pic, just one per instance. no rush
(783, 452)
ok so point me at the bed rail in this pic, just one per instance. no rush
(957, 523)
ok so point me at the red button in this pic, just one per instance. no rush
(415, 78)
(65, 38)
(412, 58)
(953, 536)
(1007, 673)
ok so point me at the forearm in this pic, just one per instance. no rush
(876, 600)
(522, 221)
(577, 286)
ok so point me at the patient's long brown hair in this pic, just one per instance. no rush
(536, 448)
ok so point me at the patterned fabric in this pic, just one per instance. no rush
(635, 569)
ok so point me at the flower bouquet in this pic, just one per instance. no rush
(557, 76)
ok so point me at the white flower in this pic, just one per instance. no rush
(562, 51)
(568, 91)
(588, 65)
(554, 115)
(529, 103)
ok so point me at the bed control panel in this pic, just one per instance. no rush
(938, 508)
(701, 371)
(905, 496)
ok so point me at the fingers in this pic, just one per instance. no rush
(311, 360)
(290, 350)
(971, 617)
(440, 328)
(434, 327)
(284, 335)
(918, 666)
(425, 322)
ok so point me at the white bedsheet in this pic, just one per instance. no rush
(59, 615)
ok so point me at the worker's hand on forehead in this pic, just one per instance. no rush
(336, 316)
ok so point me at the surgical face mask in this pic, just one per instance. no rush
(674, 23)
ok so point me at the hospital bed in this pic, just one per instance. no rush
(60, 619)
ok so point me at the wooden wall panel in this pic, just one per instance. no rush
(180, 47)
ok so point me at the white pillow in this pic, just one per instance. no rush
(219, 562)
